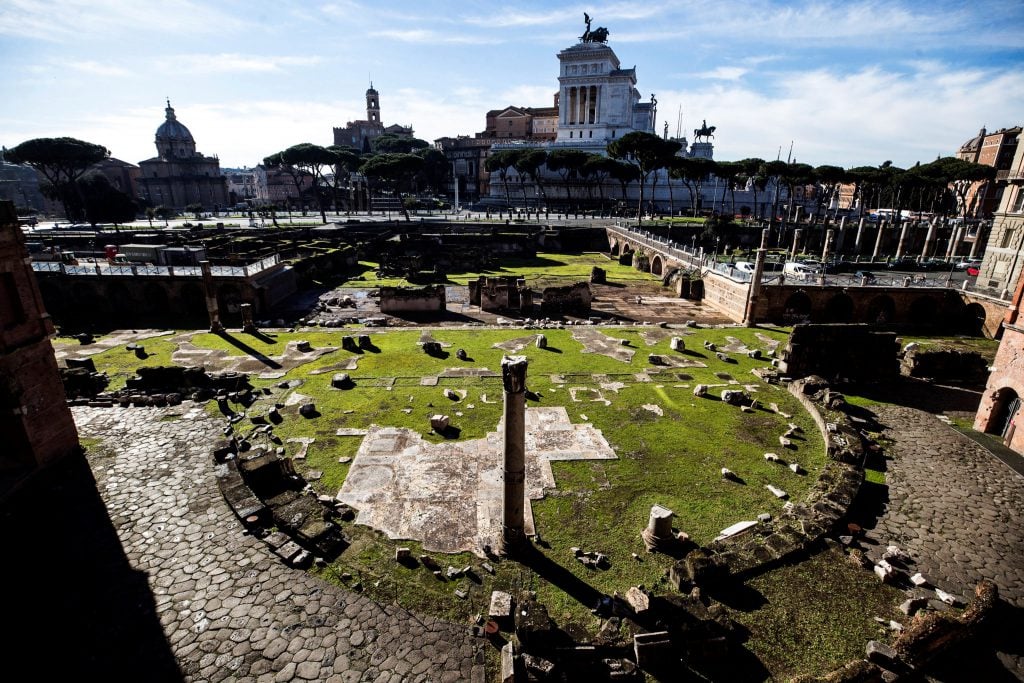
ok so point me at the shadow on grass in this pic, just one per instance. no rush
(242, 346)
(263, 337)
(558, 576)
(552, 349)
(927, 396)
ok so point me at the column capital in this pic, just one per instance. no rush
(513, 373)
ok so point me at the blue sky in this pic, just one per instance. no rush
(850, 83)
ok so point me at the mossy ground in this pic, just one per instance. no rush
(673, 459)
(544, 267)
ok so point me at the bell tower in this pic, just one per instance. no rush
(372, 105)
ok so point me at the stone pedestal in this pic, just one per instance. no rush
(248, 325)
(513, 375)
(659, 528)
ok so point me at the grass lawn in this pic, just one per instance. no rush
(543, 267)
(815, 615)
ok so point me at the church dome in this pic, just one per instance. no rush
(974, 144)
(173, 130)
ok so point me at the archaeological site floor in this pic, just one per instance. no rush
(614, 428)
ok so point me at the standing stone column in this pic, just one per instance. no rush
(860, 233)
(753, 294)
(954, 242)
(513, 376)
(903, 240)
(929, 238)
(829, 236)
(841, 236)
(211, 298)
(878, 240)
(796, 242)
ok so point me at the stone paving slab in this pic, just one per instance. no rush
(448, 495)
(229, 608)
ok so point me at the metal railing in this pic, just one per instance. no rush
(693, 257)
(106, 269)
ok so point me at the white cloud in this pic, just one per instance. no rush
(725, 73)
(231, 62)
(97, 69)
(429, 37)
(861, 118)
(72, 20)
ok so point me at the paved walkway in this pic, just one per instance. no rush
(953, 506)
(228, 608)
(959, 512)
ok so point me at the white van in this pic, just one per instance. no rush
(744, 266)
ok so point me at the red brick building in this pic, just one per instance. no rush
(36, 427)
(999, 412)
(991, 149)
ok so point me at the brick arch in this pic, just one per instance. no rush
(797, 306)
(838, 309)
(657, 265)
(973, 319)
(923, 310)
(1002, 410)
(880, 310)
(626, 255)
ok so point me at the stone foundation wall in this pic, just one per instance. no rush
(501, 294)
(574, 298)
(854, 352)
(430, 299)
(727, 296)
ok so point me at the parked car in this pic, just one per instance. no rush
(973, 270)
(965, 264)
(902, 264)
(744, 266)
(865, 275)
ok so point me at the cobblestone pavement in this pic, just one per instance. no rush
(955, 508)
(228, 608)
(959, 512)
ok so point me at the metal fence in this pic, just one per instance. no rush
(106, 269)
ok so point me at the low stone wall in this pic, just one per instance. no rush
(840, 351)
(726, 295)
(430, 299)
(927, 637)
(947, 364)
(501, 294)
(573, 298)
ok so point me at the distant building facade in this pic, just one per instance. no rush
(522, 123)
(359, 134)
(20, 184)
(996, 149)
(1003, 262)
(242, 185)
(278, 187)
(179, 175)
(468, 156)
(999, 410)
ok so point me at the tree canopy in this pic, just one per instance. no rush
(389, 143)
(62, 161)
